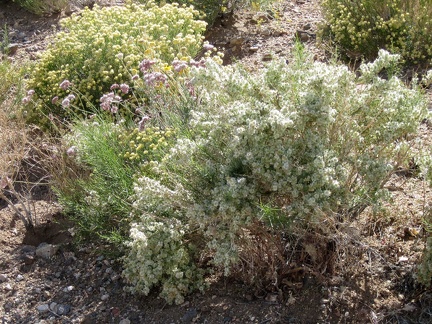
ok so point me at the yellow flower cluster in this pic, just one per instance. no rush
(147, 145)
(363, 27)
(104, 46)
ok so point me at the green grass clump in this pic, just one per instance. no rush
(94, 181)
(361, 27)
(102, 47)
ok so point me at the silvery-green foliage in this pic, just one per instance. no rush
(309, 140)
(158, 252)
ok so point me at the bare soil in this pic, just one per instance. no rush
(364, 272)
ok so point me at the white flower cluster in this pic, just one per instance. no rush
(307, 139)
(159, 255)
(158, 252)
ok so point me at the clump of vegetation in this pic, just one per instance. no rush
(210, 10)
(102, 47)
(41, 7)
(361, 28)
(307, 141)
(94, 181)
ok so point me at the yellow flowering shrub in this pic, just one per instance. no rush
(361, 27)
(211, 9)
(103, 47)
(147, 144)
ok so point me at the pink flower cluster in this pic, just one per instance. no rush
(179, 65)
(146, 64)
(198, 64)
(124, 88)
(109, 102)
(27, 98)
(155, 78)
(142, 122)
(67, 101)
(65, 84)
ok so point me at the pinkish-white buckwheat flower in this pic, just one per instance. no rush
(143, 121)
(146, 64)
(30, 92)
(54, 100)
(65, 84)
(114, 86)
(25, 100)
(179, 65)
(124, 88)
(65, 103)
(114, 109)
(154, 78)
(135, 77)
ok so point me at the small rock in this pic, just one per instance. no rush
(28, 259)
(115, 311)
(63, 309)
(46, 251)
(253, 48)
(267, 57)
(3, 278)
(11, 49)
(189, 316)
(104, 297)
(307, 26)
(266, 32)
(68, 289)
(53, 306)
(125, 321)
(272, 298)
(302, 36)
(236, 42)
(43, 308)
(8, 287)
(19, 277)
(22, 35)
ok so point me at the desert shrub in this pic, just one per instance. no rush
(41, 7)
(307, 140)
(102, 47)
(211, 9)
(361, 28)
